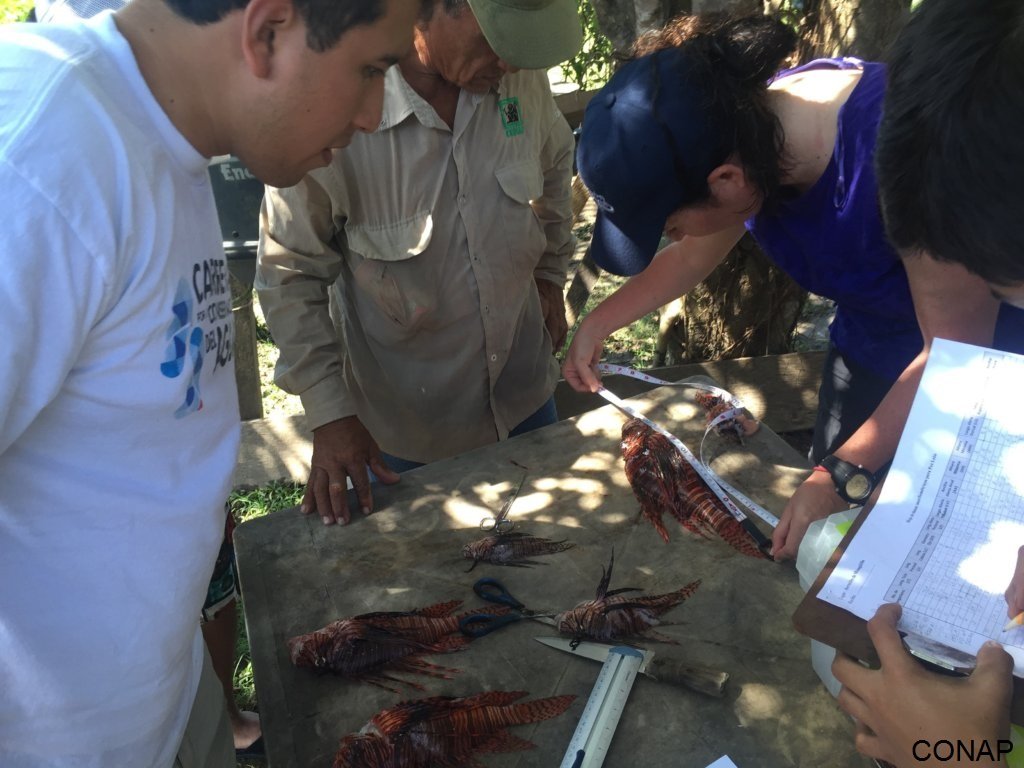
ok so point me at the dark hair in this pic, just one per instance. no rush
(733, 58)
(948, 165)
(326, 20)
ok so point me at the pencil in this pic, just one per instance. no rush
(1016, 621)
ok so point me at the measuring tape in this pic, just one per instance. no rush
(718, 486)
(589, 744)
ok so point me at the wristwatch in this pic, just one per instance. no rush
(854, 484)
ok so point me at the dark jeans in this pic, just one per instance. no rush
(849, 393)
(542, 417)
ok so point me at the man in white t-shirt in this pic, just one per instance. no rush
(118, 408)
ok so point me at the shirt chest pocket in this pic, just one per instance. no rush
(521, 181)
(523, 233)
(386, 272)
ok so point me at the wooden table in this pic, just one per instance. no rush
(298, 575)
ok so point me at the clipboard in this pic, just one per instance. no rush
(846, 632)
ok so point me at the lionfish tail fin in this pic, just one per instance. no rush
(736, 537)
(652, 634)
(503, 741)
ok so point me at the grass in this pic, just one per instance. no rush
(633, 345)
(14, 10)
(247, 504)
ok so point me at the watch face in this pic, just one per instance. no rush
(858, 487)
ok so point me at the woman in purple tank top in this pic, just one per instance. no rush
(702, 139)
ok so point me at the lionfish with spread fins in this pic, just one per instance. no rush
(741, 424)
(514, 549)
(610, 616)
(662, 480)
(444, 732)
(370, 646)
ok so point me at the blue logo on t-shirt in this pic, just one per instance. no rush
(185, 347)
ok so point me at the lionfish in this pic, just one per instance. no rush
(737, 426)
(445, 731)
(368, 646)
(512, 549)
(662, 480)
(611, 617)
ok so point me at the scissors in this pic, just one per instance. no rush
(493, 591)
(500, 523)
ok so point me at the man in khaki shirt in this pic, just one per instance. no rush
(441, 243)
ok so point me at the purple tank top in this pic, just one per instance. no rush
(832, 242)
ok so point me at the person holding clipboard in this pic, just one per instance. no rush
(949, 190)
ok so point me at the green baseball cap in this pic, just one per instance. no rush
(530, 34)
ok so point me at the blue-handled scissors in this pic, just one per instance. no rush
(500, 523)
(493, 591)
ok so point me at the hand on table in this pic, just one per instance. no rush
(552, 305)
(816, 498)
(343, 449)
(903, 709)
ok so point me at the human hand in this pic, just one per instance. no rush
(815, 499)
(903, 709)
(552, 306)
(584, 353)
(342, 449)
(1015, 592)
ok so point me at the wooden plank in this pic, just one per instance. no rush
(573, 104)
(298, 575)
(781, 390)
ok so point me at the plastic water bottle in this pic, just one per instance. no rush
(818, 544)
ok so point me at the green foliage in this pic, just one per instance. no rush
(14, 10)
(634, 345)
(257, 502)
(246, 505)
(592, 66)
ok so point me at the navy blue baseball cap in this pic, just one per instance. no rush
(647, 146)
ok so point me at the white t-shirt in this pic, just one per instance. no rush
(63, 11)
(118, 408)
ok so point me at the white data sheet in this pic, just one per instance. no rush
(942, 540)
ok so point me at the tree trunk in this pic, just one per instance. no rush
(861, 28)
(623, 21)
(745, 308)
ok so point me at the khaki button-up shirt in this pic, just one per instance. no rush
(430, 239)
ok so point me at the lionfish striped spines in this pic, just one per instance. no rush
(663, 481)
(445, 731)
(703, 513)
(512, 549)
(613, 616)
(740, 540)
(606, 580)
(370, 646)
(649, 469)
(439, 609)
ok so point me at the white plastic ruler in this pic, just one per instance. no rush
(593, 735)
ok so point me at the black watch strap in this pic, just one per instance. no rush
(853, 483)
